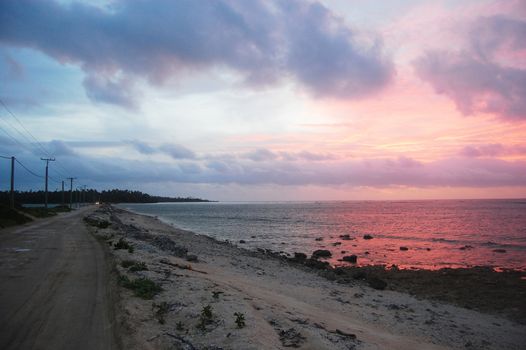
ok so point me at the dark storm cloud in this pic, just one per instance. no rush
(264, 41)
(474, 78)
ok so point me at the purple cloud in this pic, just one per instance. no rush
(264, 41)
(474, 78)
(177, 151)
(492, 150)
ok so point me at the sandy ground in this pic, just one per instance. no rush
(284, 305)
(54, 290)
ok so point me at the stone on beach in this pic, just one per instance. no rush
(345, 237)
(367, 237)
(321, 253)
(404, 248)
(300, 256)
(350, 258)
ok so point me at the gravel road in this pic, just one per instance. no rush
(54, 291)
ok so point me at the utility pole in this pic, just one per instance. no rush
(63, 202)
(12, 183)
(71, 191)
(47, 166)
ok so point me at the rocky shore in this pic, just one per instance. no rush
(182, 290)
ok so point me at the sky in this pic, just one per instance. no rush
(267, 100)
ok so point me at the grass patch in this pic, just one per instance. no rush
(11, 217)
(40, 212)
(142, 287)
(133, 265)
(122, 244)
(161, 310)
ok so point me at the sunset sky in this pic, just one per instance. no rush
(268, 100)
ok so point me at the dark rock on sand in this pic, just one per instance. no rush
(404, 248)
(192, 258)
(300, 256)
(499, 250)
(242, 241)
(359, 275)
(316, 264)
(367, 237)
(350, 258)
(319, 239)
(466, 247)
(376, 283)
(321, 253)
(337, 243)
(345, 237)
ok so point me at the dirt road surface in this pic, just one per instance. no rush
(54, 292)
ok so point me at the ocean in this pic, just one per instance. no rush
(423, 234)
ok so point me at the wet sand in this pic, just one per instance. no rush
(284, 303)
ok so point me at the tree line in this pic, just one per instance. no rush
(91, 195)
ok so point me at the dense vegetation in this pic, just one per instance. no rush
(90, 195)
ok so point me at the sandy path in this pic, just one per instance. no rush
(54, 292)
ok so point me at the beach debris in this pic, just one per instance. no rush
(404, 248)
(499, 250)
(186, 345)
(376, 283)
(291, 338)
(167, 244)
(321, 253)
(367, 236)
(345, 237)
(192, 258)
(182, 267)
(350, 258)
(345, 334)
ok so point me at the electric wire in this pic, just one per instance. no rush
(29, 170)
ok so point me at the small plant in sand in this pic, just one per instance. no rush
(162, 310)
(139, 266)
(127, 263)
(216, 293)
(134, 265)
(206, 317)
(142, 287)
(122, 244)
(240, 319)
(179, 326)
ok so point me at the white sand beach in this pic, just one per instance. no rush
(283, 304)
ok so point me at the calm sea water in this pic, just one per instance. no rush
(442, 233)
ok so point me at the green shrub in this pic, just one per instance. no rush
(240, 319)
(142, 287)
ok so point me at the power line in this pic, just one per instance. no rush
(23, 127)
(29, 170)
(42, 148)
